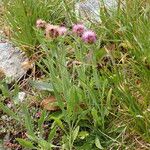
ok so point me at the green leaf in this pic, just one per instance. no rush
(75, 133)
(96, 118)
(41, 120)
(25, 143)
(109, 98)
(98, 144)
(52, 134)
(108, 102)
(28, 120)
(44, 145)
(4, 89)
(40, 85)
(32, 137)
(8, 111)
(83, 134)
(58, 122)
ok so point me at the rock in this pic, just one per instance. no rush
(11, 59)
(21, 96)
(110, 4)
(90, 9)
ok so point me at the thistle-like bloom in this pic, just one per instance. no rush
(38, 114)
(52, 31)
(78, 29)
(62, 30)
(89, 37)
(40, 24)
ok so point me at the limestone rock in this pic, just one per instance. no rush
(90, 9)
(11, 59)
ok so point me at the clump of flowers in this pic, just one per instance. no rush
(89, 37)
(53, 31)
(78, 29)
(40, 24)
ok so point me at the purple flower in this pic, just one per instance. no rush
(9, 104)
(38, 114)
(89, 37)
(62, 30)
(78, 29)
(52, 31)
(40, 24)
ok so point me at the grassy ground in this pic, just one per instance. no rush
(90, 96)
(1, 14)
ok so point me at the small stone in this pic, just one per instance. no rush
(21, 96)
(4, 117)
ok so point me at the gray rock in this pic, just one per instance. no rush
(90, 9)
(11, 59)
(21, 96)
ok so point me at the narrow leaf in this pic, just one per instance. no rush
(98, 144)
(75, 133)
(25, 143)
(8, 111)
(42, 85)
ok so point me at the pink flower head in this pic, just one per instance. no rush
(89, 37)
(9, 104)
(40, 24)
(38, 115)
(62, 30)
(78, 29)
(52, 31)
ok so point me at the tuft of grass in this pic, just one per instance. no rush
(22, 16)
